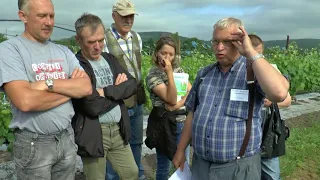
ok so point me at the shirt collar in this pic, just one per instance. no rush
(237, 63)
(117, 34)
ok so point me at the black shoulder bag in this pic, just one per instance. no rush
(274, 133)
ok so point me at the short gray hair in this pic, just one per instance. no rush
(22, 4)
(227, 22)
(90, 20)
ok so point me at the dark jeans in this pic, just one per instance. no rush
(45, 157)
(164, 163)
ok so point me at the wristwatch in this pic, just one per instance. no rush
(258, 56)
(49, 83)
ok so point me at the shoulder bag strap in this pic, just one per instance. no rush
(251, 87)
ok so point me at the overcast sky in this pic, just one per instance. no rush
(270, 19)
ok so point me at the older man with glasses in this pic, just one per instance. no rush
(126, 44)
(219, 117)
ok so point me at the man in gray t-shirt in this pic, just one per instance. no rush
(40, 77)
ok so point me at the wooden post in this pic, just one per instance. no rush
(287, 44)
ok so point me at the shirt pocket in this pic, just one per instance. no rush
(238, 110)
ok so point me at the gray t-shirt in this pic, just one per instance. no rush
(104, 78)
(23, 59)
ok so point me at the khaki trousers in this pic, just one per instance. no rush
(119, 155)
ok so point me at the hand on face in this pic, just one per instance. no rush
(165, 63)
(242, 42)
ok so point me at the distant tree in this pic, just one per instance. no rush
(148, 47)
(71, 43)
(194, 45)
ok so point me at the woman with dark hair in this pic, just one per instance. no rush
(167, 117)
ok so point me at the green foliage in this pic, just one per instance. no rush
(2, 37)
(302, 67)
(146, 65)
(193, 46)
(6, 134)
(148, 47)
(70, 43)
(192, 64)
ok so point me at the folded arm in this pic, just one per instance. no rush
(125, 85)
(95, 104)
(283, 104)
(79, 85)
(181, 102)
(121, 91)
(27, 99)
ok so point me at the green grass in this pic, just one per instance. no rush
(302, 157)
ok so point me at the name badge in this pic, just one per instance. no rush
(239, 95)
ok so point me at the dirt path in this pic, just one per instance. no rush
(305, 120)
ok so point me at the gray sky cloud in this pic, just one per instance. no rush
(269, 19)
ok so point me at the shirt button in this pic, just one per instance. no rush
(215, 105)
(208, 136)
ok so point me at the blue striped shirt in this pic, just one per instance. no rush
(219, 125)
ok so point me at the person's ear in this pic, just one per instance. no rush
(78, 39)
(23, 16)
(113, 16)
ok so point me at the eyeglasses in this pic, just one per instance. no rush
(226, 43)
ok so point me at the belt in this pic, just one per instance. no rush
(30, 134)
(111, 124)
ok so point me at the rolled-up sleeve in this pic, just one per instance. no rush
(153, 80)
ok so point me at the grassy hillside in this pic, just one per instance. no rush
(302, 43)
(156, 35)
